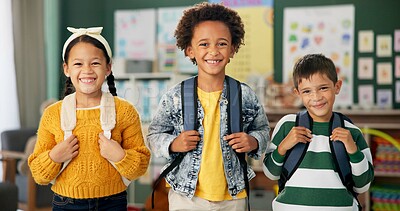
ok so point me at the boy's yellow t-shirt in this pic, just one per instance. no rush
(212, 183)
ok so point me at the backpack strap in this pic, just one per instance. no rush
(296, 154)
(189, 112)
(107, 120)
(235, 124)
(340, 156)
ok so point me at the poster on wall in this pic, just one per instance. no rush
(321, 30)
(170, 58)
(254, 59)
(135, 32)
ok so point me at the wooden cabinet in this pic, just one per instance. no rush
(385, 121)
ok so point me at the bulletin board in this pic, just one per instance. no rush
(376, 67)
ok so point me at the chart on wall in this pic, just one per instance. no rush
(135, 33)
(170, 58)
(320, 29)
(254, 59)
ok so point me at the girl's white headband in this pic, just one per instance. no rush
(92, 32)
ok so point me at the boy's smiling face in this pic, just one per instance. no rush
(212, 48)
(318, 96)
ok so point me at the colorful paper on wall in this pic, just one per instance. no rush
(383, 46)
(170, 58)
(135, 32)
(321, 30)
(255, 58)
(365, 41)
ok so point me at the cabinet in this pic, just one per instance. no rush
(386, 121)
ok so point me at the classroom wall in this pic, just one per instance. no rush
(380, 16)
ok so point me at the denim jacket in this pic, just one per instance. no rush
(167, 124)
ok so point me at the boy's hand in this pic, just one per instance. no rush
(110, 149)
(185, 142)
(241, 142)
(344, 135)
(296, 135)
(65, 150)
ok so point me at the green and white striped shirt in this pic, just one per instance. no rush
(316, 184)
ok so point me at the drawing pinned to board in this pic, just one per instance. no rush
(397, 66)
(365, 68)
(320, 30)
(397, 91)
(397, 40)
(366, 95)
(383, 45)
(384, 73)
(384, 98)
(366, 41)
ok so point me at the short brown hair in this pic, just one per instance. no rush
(311, 64)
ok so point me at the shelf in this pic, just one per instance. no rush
(386, 174)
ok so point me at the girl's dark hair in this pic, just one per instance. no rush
(208, 12)
(312, 64)
(69, 88)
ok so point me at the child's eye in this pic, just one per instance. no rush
(203, 44)
(305, 91)
(96, 63)
(324, 88)
(77, 64)
(222, 44)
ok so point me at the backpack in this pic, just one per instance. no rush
(189, 112)
(338, 151)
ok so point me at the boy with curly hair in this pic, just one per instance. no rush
(210, 175)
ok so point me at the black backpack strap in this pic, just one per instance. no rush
(189, 112)
(235, 124)
(340, 156)
(297, 153)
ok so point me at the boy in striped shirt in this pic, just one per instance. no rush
(316, 185)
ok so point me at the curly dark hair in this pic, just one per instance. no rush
(208, 12)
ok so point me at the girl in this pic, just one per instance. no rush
(90, 144)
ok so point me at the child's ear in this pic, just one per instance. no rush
(189, 52)
(296, 91)
(108, 69)
(233, 50)
(338, 86)
(65, 67)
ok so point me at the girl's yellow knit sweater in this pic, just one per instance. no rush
(89, 175)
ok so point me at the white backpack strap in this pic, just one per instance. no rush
(107, 120)
(68, 123)
(107, 113)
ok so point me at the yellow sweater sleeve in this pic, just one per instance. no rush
(137, 157)
(43, 168)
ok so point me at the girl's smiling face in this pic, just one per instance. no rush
(87, 67)
(211, 46)
(318, 96)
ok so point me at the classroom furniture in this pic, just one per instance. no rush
(31, 196)
(8, 196)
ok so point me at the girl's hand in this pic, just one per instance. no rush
(344, 135)
(110, 149)
(241, 142)
(185, 142)
(296, 135)
(65, 150)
